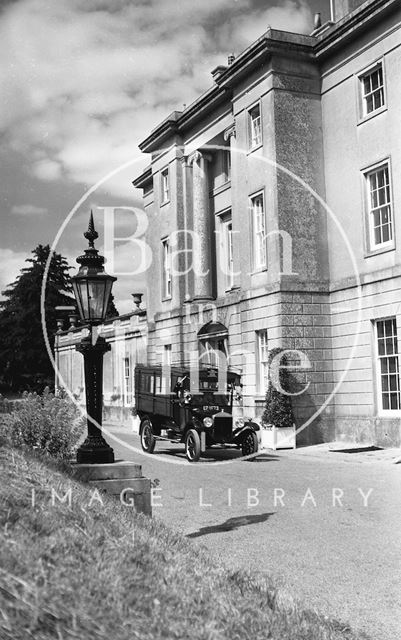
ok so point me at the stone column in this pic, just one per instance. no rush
(186, 177)
(230, 135)
(202, 245)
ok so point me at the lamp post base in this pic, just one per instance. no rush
(95, 450)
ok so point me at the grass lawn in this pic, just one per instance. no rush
(93, 572)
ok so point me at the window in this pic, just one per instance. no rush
(213, 345)
(226, 162)
(372, 84)
(255, 127)
(388, 365)
(379, 207)
(227, 259)
(146, 383)
(263, 361)
(165, 186)
(211, 351)
(166, 275)
(259, 231)
(127, 382)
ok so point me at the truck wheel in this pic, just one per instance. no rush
(192, 445)
(147, 438)
(249, 444)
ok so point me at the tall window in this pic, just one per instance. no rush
(166, 275)
(210, 351)
(388, 364)
(259, 231)
(255, 127)
(227, 250)
(226, 162)
(263, 360)
(372, 84)
(213, 345)
(380, 207)
(165, 186)
(127, 381)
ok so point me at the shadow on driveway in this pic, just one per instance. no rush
(231, 524)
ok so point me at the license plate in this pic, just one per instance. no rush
(210, 408)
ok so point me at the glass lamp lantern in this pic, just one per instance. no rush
(92, 286)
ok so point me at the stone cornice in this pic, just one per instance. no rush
(142, 180)
(351, 25)
(272, 43)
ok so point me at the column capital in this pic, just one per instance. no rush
(197, 156)
(230, 132)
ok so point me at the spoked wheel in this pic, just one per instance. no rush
(148, 440)
(192, 446)
(250, 444)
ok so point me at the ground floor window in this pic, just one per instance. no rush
(211, 351)
(388, 364)
(127, 382)
(263, 359)
(213, 345)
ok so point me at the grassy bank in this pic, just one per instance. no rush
(90, 571)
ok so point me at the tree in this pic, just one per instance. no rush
(111, 308)
(24, 361)
(278, 405)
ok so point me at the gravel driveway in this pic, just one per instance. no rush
(327, 528)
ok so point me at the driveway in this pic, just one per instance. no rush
(325, 527)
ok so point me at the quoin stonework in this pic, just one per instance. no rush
(246, 256)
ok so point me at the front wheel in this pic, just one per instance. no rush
(250, 444)
(192, 445)
(148, 440)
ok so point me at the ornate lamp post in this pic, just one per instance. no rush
(92, 289)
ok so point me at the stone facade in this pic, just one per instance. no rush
(306, 89)
(259, 226)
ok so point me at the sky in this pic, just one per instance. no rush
(82, 82)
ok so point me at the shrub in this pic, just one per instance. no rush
(52, 424)
(278, 406)
(4, 404)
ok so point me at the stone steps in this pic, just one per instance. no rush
(122, 479)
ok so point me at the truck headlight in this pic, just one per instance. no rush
(208, 422)
(239, 422)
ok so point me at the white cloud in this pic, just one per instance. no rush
(11, 264)
(289, 16)
(28, 210)
(87, 79)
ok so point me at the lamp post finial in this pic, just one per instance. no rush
(91, 235)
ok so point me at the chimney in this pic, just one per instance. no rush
(230, 59)
(317, 21)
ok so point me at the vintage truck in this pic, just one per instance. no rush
(171, 409)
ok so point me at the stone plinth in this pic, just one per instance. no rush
(122, 479)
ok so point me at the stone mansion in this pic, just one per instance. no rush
(274, 209)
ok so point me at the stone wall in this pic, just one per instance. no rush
(357, 405)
